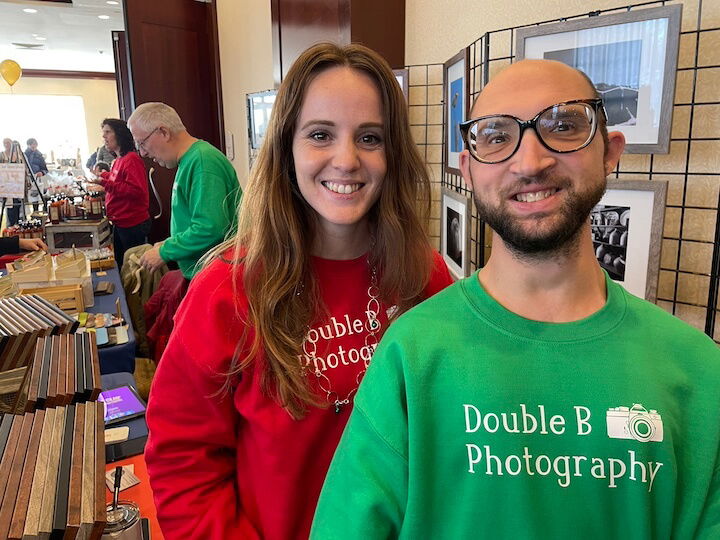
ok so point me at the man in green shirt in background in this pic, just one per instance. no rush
(537, 398)
(206, 192)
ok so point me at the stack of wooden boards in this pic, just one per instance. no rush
(23, 320)
(52, 473)
(65, 370)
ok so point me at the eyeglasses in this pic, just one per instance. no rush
(562, 128)
(141, 145)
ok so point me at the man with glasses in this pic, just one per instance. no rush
(536, 398)
(205, 194)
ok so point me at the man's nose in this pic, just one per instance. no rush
(531, 158)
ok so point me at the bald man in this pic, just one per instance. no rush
(536, 398)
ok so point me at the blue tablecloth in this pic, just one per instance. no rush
(117, 358)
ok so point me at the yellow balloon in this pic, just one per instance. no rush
(10, 71)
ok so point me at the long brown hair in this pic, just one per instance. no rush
(276, 229)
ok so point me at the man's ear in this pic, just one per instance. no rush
(465, 168)
(615, 147)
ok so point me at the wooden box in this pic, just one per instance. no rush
(69, 298)
(81, 234)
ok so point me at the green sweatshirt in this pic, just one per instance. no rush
(473, 422)
(205, 198)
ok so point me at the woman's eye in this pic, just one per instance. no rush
(370, 139)
(319, 136)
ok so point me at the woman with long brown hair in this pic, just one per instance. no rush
(275, 334)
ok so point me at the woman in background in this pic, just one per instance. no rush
(274, 336)
(127, 199)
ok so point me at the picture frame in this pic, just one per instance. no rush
(631, 57)
(402, 76)
(456, 97)
(626, 230)
(259, 107)
(455, 232)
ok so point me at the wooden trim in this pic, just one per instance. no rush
(61, 74)
(213, 34)
(276, 42)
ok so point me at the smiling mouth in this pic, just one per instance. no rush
(534, 196)
(342, 189)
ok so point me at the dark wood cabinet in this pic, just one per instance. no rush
(298, 24)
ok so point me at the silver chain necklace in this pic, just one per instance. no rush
(372, 326)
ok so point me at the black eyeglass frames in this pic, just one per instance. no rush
(562, 128)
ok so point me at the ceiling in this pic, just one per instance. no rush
(75, 38)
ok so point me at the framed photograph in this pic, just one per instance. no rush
(402, 76)
(456, 95)
(455, 232)
(260, 106)
(631, 58)
(626, 228)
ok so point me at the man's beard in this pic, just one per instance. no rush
(561, 237)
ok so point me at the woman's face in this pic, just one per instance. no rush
(339, 148)
(108, 135)
(7, 145)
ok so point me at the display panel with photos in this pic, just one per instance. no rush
(456, 97)
(630, 57)
(455, 232)
(626, 228)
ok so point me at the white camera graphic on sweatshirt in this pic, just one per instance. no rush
(635, 422)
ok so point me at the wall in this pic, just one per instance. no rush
(244, 30)
(99, 96)
(450, 32)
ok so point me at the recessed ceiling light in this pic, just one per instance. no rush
(40, 38)
(104, 17)
(30, 10)
(112, 2)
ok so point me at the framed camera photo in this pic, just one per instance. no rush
(455, 232)
(456, 96)
(631, 58)
(260, 106)
(626, 228)
(402, 76)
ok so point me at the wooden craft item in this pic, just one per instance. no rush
(71, 380)
(13, 483)
(100, 512)
(17, 524)
(68, 298)
(62, 490)
(52, 380)
(9, 453)
(60, 393)
(47, 508)
(87, 518)
(32, 519)
(72, 524)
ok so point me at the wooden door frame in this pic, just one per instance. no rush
(216, 82)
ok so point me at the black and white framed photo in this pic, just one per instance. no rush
(455, 232)
(260, 106)
(631, 58)
(626, 228)
(456, 95)
(402, 75)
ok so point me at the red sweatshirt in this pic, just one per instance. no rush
(241, 467)
(127, 200)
